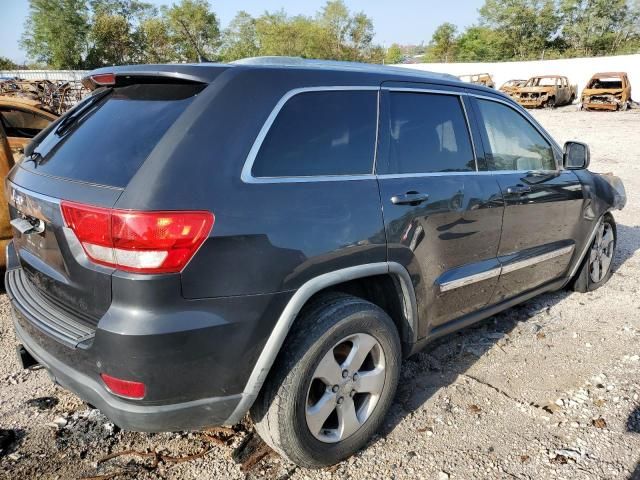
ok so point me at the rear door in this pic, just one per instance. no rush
(90, 161)
(442, 218)
(543, 203)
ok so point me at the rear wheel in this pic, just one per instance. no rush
(333, 383)
(596, 267)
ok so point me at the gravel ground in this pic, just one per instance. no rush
(549, 389)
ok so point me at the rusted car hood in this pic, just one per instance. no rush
(602, 91)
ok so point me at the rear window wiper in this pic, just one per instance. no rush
(68, 121)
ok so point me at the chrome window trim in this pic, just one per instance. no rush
(554, 146)
(470, 279)
(460, 96)
(505, 268)
(247, 177)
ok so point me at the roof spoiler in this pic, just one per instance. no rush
(132, 74)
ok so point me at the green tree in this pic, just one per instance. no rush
(112, 41)
(155, 40)
(394, 54)
(193, 29)
(6, 64)
(481, 44)
(525, 25)
(599, 26)
(115, 34)
(443, 45)
(361, 36)
(240, 39)
(55, 32)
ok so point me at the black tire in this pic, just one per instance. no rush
(584, 281)
(551, 103)
(279, 413)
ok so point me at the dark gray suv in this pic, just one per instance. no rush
(195, 242)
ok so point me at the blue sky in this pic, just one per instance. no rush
(403, 21)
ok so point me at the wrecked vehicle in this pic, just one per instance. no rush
(512, 86)
(175, 289)
(479, 79)
(56, 96)
(548, 91)
(22, 119)
(607, 91)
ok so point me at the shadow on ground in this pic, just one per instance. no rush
(444, 360)
(633, 426)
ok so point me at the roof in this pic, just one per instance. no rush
(208, 71)
(340, 66)
(609, 74)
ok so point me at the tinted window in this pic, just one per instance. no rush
(321, 133)
(109, 143)
(514, 143)
(427, 133)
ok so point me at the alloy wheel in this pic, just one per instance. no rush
(601, 253)
(345, 388)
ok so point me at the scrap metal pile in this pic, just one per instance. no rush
(55, 96)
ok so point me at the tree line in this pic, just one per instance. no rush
(76, 34)
(93, 33)
(540, 29)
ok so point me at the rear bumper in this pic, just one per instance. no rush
(142, 418)
(194, 356)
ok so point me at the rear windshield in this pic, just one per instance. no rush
(108, 144)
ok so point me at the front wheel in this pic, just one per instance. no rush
(332, 384)
(596, 267)
(551, 103)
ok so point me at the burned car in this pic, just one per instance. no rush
(20, 120)
(479, 79)
(548, 91)
(607, 91)
(512, 87)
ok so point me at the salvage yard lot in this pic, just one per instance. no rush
(549, 389)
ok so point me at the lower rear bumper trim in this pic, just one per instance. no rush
(190, 415)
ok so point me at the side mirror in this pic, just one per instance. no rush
(576, 156)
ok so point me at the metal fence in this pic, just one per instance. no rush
(52, 75)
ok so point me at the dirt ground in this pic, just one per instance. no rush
(549, 389)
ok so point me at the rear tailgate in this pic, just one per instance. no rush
(57, 287)
(89, 161)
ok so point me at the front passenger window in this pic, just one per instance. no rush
(514, 143)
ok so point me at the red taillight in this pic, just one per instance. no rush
(124, 388)
(142, 242)
(103, 79)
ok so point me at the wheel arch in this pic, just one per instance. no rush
(312, 287)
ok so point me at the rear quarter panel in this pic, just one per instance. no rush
(267, 237)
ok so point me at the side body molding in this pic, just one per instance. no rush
(289, 314)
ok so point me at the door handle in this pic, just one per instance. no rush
(409, 198)
(518, 190)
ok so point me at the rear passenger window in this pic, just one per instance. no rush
(427, 133)
(514, 143)
(321, 133)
